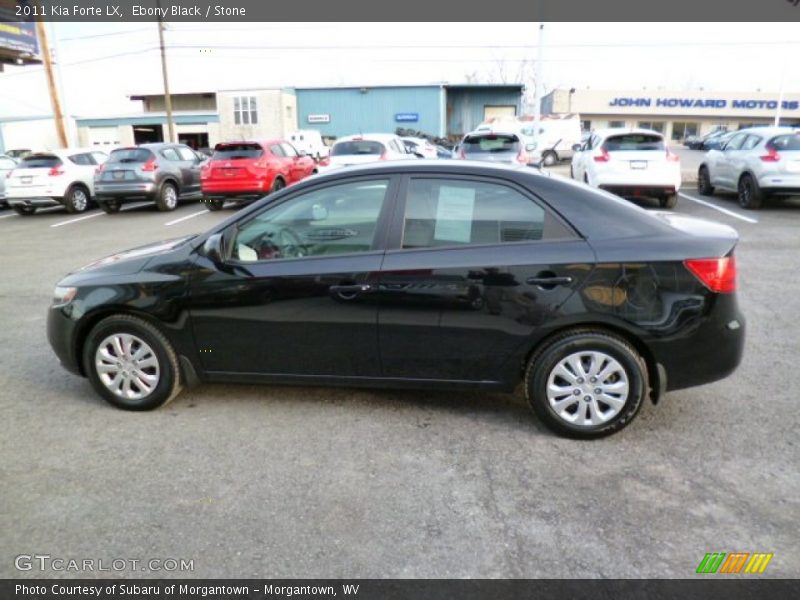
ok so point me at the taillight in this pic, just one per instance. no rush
(771, 155)
(672, 157)
(99, 169)
(604, 156)
(462, 154)
(522, 157)
(383, 156)
(55, 172)
(717, 274)
(150, 165)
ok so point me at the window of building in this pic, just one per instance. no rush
(586, 125)
(245, 111)
(446, 212)
(681, 130)
(654, 125)
(616, 124)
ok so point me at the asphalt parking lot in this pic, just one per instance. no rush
(315, 482)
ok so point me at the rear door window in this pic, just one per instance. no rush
(237, 151)
(288, 150)
(446, 212)
(634, 142)
(491, 143)
(40, 161)
(751, 142)
(736, 142)
(277, 150)
(170, 154)
(186, 153)
(357, 147)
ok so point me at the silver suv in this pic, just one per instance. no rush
(755, 163)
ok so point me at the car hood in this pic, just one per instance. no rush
(130, 261)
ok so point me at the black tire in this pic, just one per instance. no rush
(169, 383)
(571, 172)
(704, 187)
(167, 197)
(214, 203)
(110, 206)
(277, 185)
(749, 193)
(545, 359)
(549, 158)
(24, 211)
(77, 199)
(668, 201)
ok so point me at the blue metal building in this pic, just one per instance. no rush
(441, 110)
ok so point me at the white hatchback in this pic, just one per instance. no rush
(366, 148)
(629, 163)
(59, 177)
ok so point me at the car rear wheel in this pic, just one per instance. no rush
(168, 198)
(23, 210)
(586, 383)
(704, 186)
(131, 364)
(750, 196)
(277, 185)
(669, 201)
(77, 200)
(214, 203)
(549, 158)
(110, 206)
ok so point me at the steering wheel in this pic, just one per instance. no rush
(290, 243)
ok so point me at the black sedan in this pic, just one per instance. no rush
(418, 274)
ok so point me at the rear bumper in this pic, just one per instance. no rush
(38, 202)
(648, 191)
(125, 192)
(245, 189)
(787, 183)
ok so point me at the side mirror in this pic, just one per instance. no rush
(576, 147)
(212, 248)
(419, 155)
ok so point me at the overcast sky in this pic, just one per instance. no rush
(212, 56)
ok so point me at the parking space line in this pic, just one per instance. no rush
(76, 219)
(186, 218)
(13, 214)
(719, 208)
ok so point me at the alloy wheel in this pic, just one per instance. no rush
(587, 388)
(170, 197)
(79, 200)
(127, 366)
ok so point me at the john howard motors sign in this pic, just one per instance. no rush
(703, 103)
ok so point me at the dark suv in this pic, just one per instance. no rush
(164, 173)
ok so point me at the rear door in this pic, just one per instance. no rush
(295, 163)
(190, 170)
(475, 268)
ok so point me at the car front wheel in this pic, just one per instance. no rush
(586, 384)
(131, 364)
(704, 186)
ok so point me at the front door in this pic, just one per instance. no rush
(295, 295)
(476, 268)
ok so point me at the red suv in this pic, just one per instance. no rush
(250, 170)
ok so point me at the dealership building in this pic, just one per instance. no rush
(676, 114)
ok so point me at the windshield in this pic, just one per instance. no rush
(631, 142)
(357, 147)
(130, 155)
(236, 151)
(491, 143)
(40, 161)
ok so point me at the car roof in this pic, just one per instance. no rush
(771, 131)
(368, 137)
(604, 133)
(492, 132)
(65, 152)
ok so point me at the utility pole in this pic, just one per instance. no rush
(167, 98)
(55, 101)
(780, 95)
(60, 79)
(537, 100)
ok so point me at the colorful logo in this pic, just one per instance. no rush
(734, 562)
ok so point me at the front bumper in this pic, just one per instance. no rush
(61, 335)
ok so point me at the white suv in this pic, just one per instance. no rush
(629, 163)
(58, 177)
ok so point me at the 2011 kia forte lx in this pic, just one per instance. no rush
(443, 274)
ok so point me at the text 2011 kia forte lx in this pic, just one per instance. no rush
(450, 275)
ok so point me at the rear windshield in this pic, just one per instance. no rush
(634, 141)
(130, 155)
(39, 161)
(236, 151)
(357, 147)
(491, 143)
(788, 142)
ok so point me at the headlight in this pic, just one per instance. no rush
(64, 295)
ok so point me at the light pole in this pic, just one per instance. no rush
(167, 97)
(569, 100)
